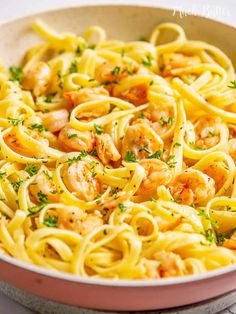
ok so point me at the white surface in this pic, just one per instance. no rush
(222, 10)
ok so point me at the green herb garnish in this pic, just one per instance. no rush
(98, 128)
(129, 156)
(157, 154)
(171, 161)
(14, 121)
(164, 122)
(16, 184)
(141, 116)
(51, 221)
(42, 198)
(233, 84)
(31, 169)
(49, 97)
(202, 213)
(38, 126)
(122, 207)
(72, 136)
(46, 173)
(77, 158)
(147, 61)
(2, 174)
(73, 67)
(16, 74)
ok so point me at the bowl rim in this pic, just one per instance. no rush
(127, 283)
(147, 4)
(118, 282)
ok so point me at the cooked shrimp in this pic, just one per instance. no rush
(43, 183)
(112, 72)
(157, 173)
(91, 222)
(80, 179)
(137, 94)
(218, 172)
(106, 148)
(89, 94)
(111, 202)
(207, 131)
(171, 264)
(232, 148)
(141, 140)
(173, 61)
(231, 243)
(54, 121)
(86, 94)
(73, 218)
(159, 117)
(37, 79)
(74, 140)
(192, 187)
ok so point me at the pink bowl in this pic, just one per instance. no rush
(118, 295)
(126, 22)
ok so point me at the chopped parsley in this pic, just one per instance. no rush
(145, 149)
(176, 145)
(94, 152)
(157, 154)
(38, 126)
(233, 84)
(152, 199)
(98, 128)
(51, 221)
(171, 161)
(16, 184)
(221, 237)
(16, 74)
(47, 175)
(151, 83)
(141, 116)
(73, 67)
(14, 121)
(196, 147)
(72, 136)
(106, 210)
(114, 190)
(212, 134)
(176, 199)
(129, 156)
(42, 198)
(77, 158)
(116, 72)
(49, 97)
(31, 169)
(164, 122)
(35, 209)
(91, 46)
(78, 51)
(2, 174)
(122, 207)
(147, 61)
(202, 213)
(208, 233)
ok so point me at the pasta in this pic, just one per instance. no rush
(118, 158)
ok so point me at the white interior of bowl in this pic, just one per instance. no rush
(120, 22)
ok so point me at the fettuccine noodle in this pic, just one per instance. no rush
(118, 159)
